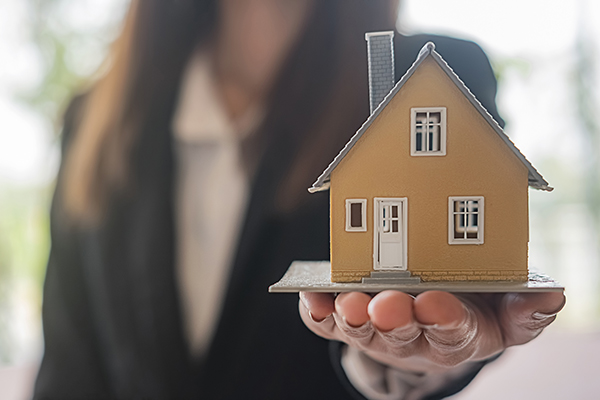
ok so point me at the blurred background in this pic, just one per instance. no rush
(546, 55)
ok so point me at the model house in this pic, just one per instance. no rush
(430, 186)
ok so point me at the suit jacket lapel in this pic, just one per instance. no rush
(130, 265)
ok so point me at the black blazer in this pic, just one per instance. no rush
(111, 313)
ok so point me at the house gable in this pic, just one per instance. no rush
(475, 157)
(428, 52)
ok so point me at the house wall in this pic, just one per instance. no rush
(477, 163)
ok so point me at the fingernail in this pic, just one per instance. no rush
(451, 339)
(318, 321)
(538, 316)
(358, 332)
(424, 326)
(345, 322)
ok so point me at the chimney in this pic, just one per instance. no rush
(380, 52)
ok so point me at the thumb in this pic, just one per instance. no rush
(523, 316)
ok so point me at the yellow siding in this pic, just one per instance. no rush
(477, 163)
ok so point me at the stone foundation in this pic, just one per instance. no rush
(349, 276)
(471, 275)
(437, 276)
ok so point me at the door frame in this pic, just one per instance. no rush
(404, 229)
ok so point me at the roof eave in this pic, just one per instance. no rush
(538, 186)
(323, 187)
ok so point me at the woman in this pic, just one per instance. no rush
(150, 293)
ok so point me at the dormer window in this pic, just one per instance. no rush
(428, 131)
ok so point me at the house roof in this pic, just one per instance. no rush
(535, 178)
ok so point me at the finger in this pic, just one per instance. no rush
(320, 305)
(352, 319)
(324, 327)
(523, 316)
(391, 313)
(439, 308)
(390, 310)
(449, 326)
(352, 308)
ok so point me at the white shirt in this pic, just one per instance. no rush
(211, 196)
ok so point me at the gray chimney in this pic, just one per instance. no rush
(380, 52)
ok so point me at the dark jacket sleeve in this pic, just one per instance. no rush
(70, 367)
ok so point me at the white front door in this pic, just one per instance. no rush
(390, 234)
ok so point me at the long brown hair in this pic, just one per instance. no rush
(320, 94)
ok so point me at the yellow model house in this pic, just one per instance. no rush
(430, 186)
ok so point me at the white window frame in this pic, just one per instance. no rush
(452, 220)
(413, 131)
(363, 203)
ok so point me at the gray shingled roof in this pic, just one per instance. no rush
(535, 178)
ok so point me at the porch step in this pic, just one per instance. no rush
(390, 274)
(391, 277)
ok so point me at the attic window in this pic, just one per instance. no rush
(465, 220)
(428, 131)
(356, 215)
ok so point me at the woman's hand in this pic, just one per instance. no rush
(433, 331)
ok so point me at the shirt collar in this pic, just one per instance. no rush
(200, 115)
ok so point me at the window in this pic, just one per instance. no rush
(465, 220)
(356, 215)
(428, 131)
(390, 218)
